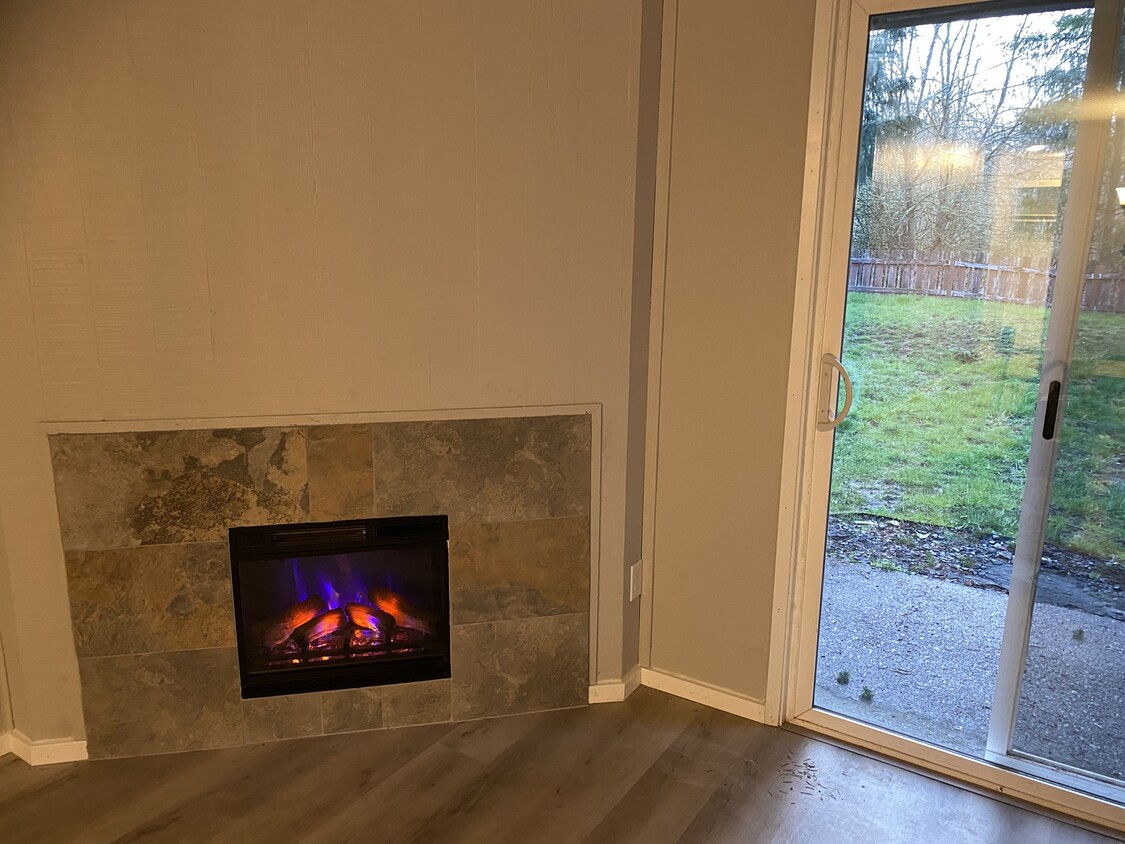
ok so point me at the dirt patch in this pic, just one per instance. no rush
(1067, 578)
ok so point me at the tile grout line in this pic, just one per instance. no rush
(224, 542)
(234, 645)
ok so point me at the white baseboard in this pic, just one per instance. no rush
(5, 743)
(48, 752)
(754, 710)
(616, 690)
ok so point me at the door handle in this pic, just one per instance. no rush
(1051, 412)
(830, 366)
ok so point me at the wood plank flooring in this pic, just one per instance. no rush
(653, 769)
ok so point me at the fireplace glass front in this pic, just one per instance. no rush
(341, 604)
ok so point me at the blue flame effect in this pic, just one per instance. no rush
(336, 580)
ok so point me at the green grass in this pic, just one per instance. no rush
(941, 425)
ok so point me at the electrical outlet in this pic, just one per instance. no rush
(635, 581)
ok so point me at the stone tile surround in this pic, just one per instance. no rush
(143, 517)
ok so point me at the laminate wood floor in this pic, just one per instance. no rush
(652, 769)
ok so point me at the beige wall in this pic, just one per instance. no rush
(737, 154)
(5, 705)
(221, 208)
(5, 698)
(5, 702)
(648, 107)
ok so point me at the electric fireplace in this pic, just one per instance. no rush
(341, 605)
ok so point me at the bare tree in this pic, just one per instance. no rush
(944, 158)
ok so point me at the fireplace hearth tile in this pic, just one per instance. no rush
(144, 519)
(519, 569)
(340, 472)
(351, 710)
(156, 703)
(484, 470)
(282, 717)
(120, 490)
(427, 702)
(505, 667)
(150, 598)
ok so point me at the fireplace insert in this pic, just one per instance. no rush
(339, 605)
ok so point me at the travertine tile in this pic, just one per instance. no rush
(340, 485)
(150, 598)
(350, 710)
(285, 716)
(519, 569)
(484, 470)
(119, 490)
(524, 665)
(407, 704)
(152, 622)
(156, 703)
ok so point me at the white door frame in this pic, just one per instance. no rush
(839, 51)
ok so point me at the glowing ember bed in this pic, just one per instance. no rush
(341, 604)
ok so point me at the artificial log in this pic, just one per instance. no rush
(405, 613)
(275, 632)
(321, 626)
(372, 618)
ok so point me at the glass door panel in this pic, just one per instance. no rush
(1071, 707)
(966, 146)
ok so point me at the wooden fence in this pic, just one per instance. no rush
(979, 276)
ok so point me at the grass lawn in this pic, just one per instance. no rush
(941, 425)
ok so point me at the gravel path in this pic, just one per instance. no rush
(928, 651)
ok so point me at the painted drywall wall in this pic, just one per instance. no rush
(5, 708)
(741, 82)
(5, 702)
(648, 107)
(5, 699)
(219, 209)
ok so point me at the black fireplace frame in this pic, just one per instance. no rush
(272, 542)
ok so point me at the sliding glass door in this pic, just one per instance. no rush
(1060, 708)
(973, 591)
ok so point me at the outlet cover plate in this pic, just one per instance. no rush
(635, 581)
